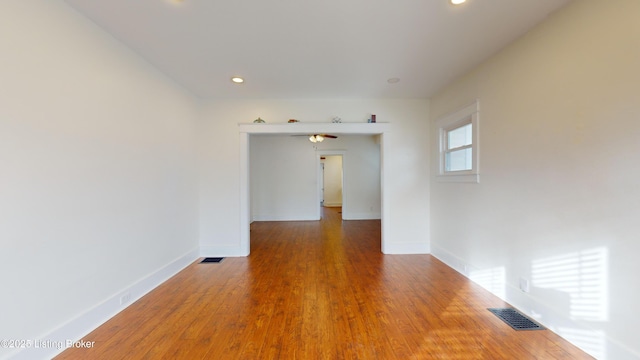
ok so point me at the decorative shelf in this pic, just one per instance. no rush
(314, 128)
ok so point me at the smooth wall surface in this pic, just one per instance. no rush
(406, 202)
(558, 198)
(97, 171)
(285, 178)
(332, 179)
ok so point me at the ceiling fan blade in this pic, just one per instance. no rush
(323, 135)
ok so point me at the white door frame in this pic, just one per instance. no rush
(246, 130)
(321, 153)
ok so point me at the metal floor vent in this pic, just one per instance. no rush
(211, 260)
(516, 320)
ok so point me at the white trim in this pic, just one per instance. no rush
(455, 178)
(287, 217)
(222, 251)
(384, 211)
(312, 128)
(449, 259)
(458, 114)
(405, 248)
(246, 130)
(88, 321)
(467, 114)
(245, 201)
(345, 191)
(361, 216)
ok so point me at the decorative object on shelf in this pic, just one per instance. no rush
(258, 121)
(373, 118)
(336, 120)
(291, 121)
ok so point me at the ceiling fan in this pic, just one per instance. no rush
(319, 137)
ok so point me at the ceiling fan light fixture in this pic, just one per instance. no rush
(316, 138)
(237, 79)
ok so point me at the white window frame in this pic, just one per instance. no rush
(467, 115)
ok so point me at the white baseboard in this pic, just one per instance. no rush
(361, 216)
(284, 217)
(405, 248)
(592, 341)
(56, 341)
(449, 259)
(222, 251)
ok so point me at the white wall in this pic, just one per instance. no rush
(332, 180)
(284, 176)
(361, 163)
(97, 173)
(557, 202)
(406, 201)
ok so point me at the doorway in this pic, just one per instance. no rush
(331, 180)
(246, 130)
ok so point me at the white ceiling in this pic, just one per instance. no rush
(315, 49)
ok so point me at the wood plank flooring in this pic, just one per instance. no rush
(318, 290)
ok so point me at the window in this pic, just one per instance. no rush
(459, 145)
(458, 149)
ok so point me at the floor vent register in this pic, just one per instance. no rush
(516, 320)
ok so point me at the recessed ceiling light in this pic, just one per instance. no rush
(237, 80)
(458, 2)
(393, 80)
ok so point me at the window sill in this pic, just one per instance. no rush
(459, 178)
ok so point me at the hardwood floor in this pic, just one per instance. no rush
(318, 290)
